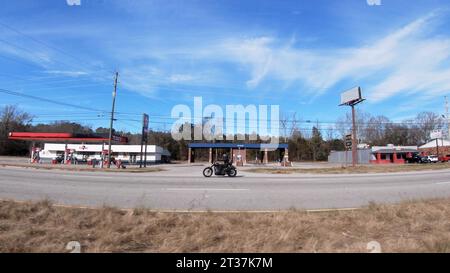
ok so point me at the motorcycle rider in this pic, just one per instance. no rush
(221, 169)
(226, 162)
(226, 159)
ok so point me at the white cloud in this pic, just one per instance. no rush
(139, 79)
(408, 60)
(38, 57)
(181, 78)
(412, 61)
(255, 53)
(66, 73)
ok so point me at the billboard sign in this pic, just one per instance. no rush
(120, 139)
(145, 121)
(435, 134)
(348, 141)
(351, 96)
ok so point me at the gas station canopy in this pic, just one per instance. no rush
(260, 146)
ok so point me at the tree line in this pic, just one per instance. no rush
(305, 144)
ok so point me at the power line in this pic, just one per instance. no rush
(14, 93)
(24, 49)
(64, 120)
(239, 128)
(74, 114)
(45, 44)
(57, 80)
(301, 121)
(168, 120)
(21, 61)
(128, 124)
(67, 86)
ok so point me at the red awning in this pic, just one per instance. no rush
(62, 137)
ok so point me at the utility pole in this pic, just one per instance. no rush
(447, 116)
(112, 119)
(354, 138)
(144, 140)
(351, 98)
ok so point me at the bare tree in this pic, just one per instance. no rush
(344, 124)
(283, 125)
(423, 124)
(294, 124)
(375, 131)
(12, 119)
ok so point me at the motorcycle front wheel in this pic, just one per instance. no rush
(207, 172)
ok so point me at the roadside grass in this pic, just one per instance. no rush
(413, 226)
(354, 170)
(82, 168)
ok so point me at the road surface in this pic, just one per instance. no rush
(184, 188)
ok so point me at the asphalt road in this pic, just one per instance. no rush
(184, 188)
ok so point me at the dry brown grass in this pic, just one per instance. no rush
(355, 170)
(420, 226)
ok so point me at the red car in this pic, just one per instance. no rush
(445, 158)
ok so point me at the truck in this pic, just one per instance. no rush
(444, 158)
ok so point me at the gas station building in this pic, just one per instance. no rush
(85, 148)
(238, 152)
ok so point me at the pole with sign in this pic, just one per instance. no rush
(351, 98)
(144, 138)
(112, 120)
(436, 134)
(348, 146)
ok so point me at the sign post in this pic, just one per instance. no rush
(144, 138)
(351, 98)
(436, 134)
(348, 146)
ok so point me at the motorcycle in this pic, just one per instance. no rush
(220, 169)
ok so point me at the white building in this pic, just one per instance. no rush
(87, 152)
(433, 143)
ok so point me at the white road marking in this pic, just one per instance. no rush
(442, 183)
(200, 189)
(87, 176)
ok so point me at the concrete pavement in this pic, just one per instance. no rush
(184, 188)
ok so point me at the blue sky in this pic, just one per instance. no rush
(298, 54)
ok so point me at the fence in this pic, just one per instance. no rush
(344, 157)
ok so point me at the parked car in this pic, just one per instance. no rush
(432, 159)
(59, 159)
(444, 158)
(417, 158)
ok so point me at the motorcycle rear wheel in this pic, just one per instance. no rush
(208, 172)
(232, 173)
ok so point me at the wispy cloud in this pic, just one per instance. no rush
(67, 73)
(406, 60)
(38, 57)
(139, 79)
(181, 78)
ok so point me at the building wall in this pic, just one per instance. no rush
(433, 151)
(98, 147)
(389, 158)
(124, 153)
(364, 157)
(242, 152)
(430, 147)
